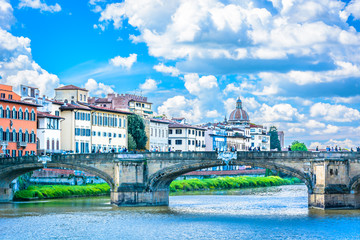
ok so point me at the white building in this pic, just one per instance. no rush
(159, 139)
(183, 137)
(48, 133)
(259, 137)
(109, 128)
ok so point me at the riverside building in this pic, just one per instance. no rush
(184, 137)
(159, 139)
(17, 124)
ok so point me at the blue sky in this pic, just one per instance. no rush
(295, 64)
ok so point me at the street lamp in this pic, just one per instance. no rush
(3, 147)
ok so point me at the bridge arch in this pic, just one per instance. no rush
(162, 179)
(8, 174)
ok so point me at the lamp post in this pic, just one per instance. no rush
(3, 147)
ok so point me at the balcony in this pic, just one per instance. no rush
(21, 144)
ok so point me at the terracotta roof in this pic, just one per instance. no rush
(74, 106)
(159, 120)
(136, 100)
(20, 102)
(239, 115)
(71, 87)
(109, 109)
(103, 100)
(180, 125)
(48, 115)
(256, 126)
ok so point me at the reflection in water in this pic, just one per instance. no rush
(263, 213)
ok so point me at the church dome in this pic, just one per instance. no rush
(239, 114)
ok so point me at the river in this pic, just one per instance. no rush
(262, 213)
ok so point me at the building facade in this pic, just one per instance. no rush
(159, 139)
(18, 122)
(183, 137)
(49, 134)
(259, 138)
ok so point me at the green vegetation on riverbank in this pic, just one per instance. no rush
(61, 191)
(220, 183)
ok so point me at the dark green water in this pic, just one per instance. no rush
(268, 213)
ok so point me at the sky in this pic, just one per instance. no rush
(294, 63)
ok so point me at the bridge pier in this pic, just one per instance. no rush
(334, 201)
(140, 198)
(6, 194)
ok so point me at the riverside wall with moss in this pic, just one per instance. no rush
(35, 192)
(221, 183)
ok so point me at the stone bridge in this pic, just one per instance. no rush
(332, 178)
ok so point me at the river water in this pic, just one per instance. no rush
(263, 213)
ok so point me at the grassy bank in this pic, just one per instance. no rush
(229, 183)
(61, 191)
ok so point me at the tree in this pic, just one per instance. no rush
(131, 142)
(136, 128)
(298, 146)
(274, 138)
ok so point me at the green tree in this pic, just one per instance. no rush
(298, 146)
(136, 128)
(131, 142)
(274, 138)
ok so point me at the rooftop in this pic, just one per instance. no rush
(71, 87)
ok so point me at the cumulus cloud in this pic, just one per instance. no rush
(344, 144)
(335, 113)
(98, 89)
(38, 4)
(6, 14)
(279, 112)
(125, 62)
(149, 85)
(173, 71)
(178, 106)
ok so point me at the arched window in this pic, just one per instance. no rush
(14, 113)
(20, 115)
(26, 114)
(1, 111)
(7, 135)
(21, 136)
(1, 134)
(7, 112)
(32, 115)
(53, 144)
(32, 140)
(13, 136)
(47, 144)
(57, 145)
(27, 136)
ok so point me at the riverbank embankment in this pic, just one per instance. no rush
(36, 192)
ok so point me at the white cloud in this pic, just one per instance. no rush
(335, 113)
(353, 8)
(38, 4)
(173, 71)
(296, 130)
(98, 89)
(199, 85)
(178, 106)
(6, 14)
(279, 112)
(344, 144)
(212, 114)
(125, 62)
(149, 85)
(314, 124)
(330, 129)
(353, 99)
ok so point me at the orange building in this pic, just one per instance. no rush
(18, 122)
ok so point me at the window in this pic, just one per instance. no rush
(99, 134)
(189, 142)
(13, 153)
(203, 134)
(119, 135)
(26, 114)
(170, 131)
(77, 147)
(10, 96)
(151, 132)
(124, 122)
(114, 135)
(119, 122)
(57, 145)
(178, 131)
(3, 95)
(33, 117)
(26, 136)
(178, 142)
(53, 144)
(14, 113)
(1, 112)
(48, 144)
(57, 113)
(88, 132)
(7, 112)
(1, 134)
(94, 133)
(189, 131)
(104, 134)
(80, 97)
(193, 132)
(169, 142)
(193, 142)
(82, 132)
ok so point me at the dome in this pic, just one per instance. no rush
(239, 114)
